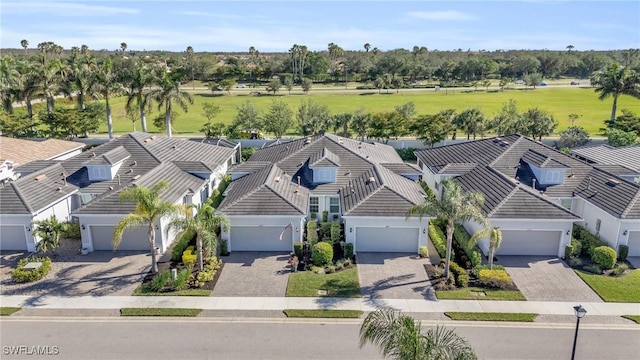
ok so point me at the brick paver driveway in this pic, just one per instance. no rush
(393, 276)
(253, 274)
(542, 278)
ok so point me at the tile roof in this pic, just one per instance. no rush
(216, 141)
(402, 169)
(110, 157)
(614, 195)
(35, 191)
(324, 158)
(605, 154)
(509, 156)
(22, 151)
(617, 169)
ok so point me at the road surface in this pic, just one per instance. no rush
(208, 338)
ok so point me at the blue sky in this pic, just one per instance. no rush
(276, 26)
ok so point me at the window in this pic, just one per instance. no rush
(566, 203)
(334, 205)
(313, 204)
(188, 200)
(325, 176)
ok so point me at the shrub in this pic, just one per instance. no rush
(439, 240)
(160, 281)
(588, 240)
(575, 262)
(407, 154)
(623, 252)
(348, 251)
(313, 215)
(568, 251)
(335, 233)
(339, 265)
(461, 236)
(312, 232)
(217, 196)
(594, 269)
(71, 231)
(604, 256)
(576, 247)
(211, 266)
(329, 269)
(460, 275)
(189, 256)
(325, 216)
(224, 247)
(325, 231)
(20, 275)
(476, 270)
(322, 254)
(495, 278)
(317, 270)
(620, 269)
(424, 251)
(181, 245)
(347, 262)
(297, 249)
(182, 279)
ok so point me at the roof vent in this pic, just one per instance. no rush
(130, 170)
(59, 189)
(276, 179)
(136, 177)
(589, 183)
(307, 141)
(372, 179)
(174, 147)
(613, 182)
(41, 177)
(348, 172)
(134, 163)
(93, 154)
(110, 188)
(572, 174)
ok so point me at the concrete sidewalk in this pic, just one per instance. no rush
(281, 303)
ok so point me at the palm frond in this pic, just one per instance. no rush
(129, 221)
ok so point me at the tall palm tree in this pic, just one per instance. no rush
(25, 44)
(367, 46)
(615, 81)
(82, 68)
(400, 337)
(123, 46)
(30, 86)
(149, 210)
(495, 240)
(167, 94)
(455, 206)
(105, 82)
(205, 226)
(9, 81)
(51, 74)
(139, 79)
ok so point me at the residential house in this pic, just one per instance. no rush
(365, 186)
(623, 161)
(535, 193)
(89, 185)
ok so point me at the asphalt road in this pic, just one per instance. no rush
(206, 338)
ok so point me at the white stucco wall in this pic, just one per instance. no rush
(352, 222)
(610, 227)
(25, 222)
(629, 226)
(563, 226)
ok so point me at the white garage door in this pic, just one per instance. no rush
(521, 242)
(634, 243)
(383, 239)
(134, 239)
(13, 237)
(260, 238)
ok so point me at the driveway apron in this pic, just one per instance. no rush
(253, 274)
(394, 276)
(541, 278)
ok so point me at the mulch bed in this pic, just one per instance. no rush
(440, 283)
(209, 285)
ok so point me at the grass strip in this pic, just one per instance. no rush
(474, 293)
(635, 318)
(325, 313)
(480, 316)
(307, 284)
(145, 291)
(624, 288)
(7, 310)
(160, 312)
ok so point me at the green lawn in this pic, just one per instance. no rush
(614, 289)
(559, 101)
(6, 311)
(142, 290)
(635, 318)
(341, 284)
(159, 312)
(327, 313)
(468, 294)
(478, 316)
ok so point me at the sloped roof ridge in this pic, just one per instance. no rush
(335, 141)
(314, 139)
(278, 194)
(632, 203)
(365, 198)
(21, 197)
(134, 136)
(255, 189)
(518, 140)
(385, 185)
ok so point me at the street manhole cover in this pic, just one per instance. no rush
(322, 292)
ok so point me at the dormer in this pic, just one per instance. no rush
(324, 165)
(104, 167)
(546, 170)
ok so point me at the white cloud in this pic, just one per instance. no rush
(63, 9)
(448, 15)
(210, 15)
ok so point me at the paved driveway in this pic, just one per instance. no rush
(98, 274)
(393, 276)
(541, 278)
(253, 274)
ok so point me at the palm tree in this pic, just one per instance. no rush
(168, 93)
(9, 81)
(82, 68)
(106, 84)
(205, 226)
(49, 231)
(495, 240)
(400, 337)
(51, 74)
(149, 210)
(615, 81)
(25, 44)
(367, 46)
(455, 206)
(30, 86)
(140, 78)
(123, 46)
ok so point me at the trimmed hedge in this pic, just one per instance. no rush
(439, 240)
(181, 244)
(322, 254)
(217, 197)
(312, 232)
(20, 275)
(498, 279)
(460, 274)
(589, 241)
(348, 250)
(623, 252)
(335, 232)
(189, 255)
(297, 249)
(604, 256)
(461, 236)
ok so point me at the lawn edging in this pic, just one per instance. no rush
(183, 312)
(8, 310)
(142, 290)
(489, 294)
(635, 318)
(344, 283)
(624, 288)
(323, 313)
(491, 316)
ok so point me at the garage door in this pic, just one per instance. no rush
(634, 243)
(12, 237)
(383, 239)
(260, 238)
(134, 239)
(520, 242)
